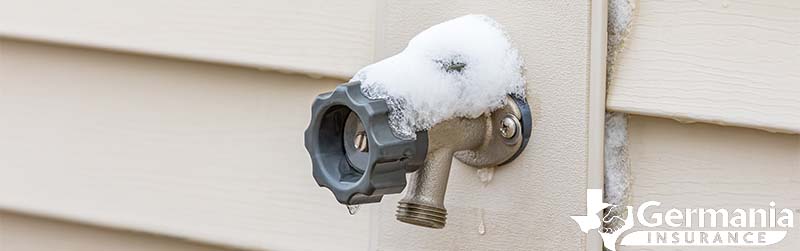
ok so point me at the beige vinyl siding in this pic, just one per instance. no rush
(214, 153)
(718, 61)
(197, 151)
(19, 232)
(315, 37)
(710, 166)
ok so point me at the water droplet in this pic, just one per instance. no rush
(481, 225)
(485, 175)
(353, 209)
(725, 3)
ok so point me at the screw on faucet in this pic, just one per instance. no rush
(508, 127)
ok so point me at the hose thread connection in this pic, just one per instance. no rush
(421, 215)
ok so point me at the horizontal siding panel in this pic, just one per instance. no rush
(709, 166)
(315, 37)
(26, 233)
(720, 61)
(198, 151)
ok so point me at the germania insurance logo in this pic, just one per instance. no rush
(739, 227)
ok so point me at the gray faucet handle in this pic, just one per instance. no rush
(342, 122)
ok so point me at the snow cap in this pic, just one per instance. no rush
(463, 67)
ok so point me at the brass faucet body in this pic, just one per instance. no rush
(423, 204)
(487, 141)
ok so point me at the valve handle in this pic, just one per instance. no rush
(343, 121)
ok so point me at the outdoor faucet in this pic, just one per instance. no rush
(423, 203)
(358, 157)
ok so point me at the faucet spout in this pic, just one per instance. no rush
(423, 204)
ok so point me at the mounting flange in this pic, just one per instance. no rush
(507, 134)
